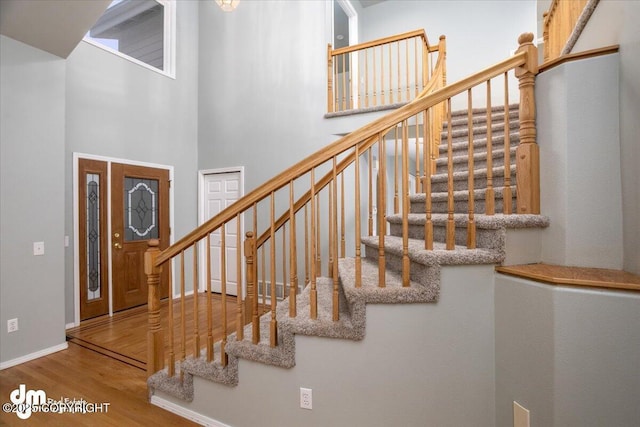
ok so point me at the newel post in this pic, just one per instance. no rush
(527, 153)
(251, 308)
(329, 80)
(155, 339)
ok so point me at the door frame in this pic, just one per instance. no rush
(201, 219)
(76, 221)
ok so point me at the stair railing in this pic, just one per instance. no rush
(333, 203)
(559, 23)
(387, 71)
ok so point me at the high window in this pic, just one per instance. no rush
(139, 30)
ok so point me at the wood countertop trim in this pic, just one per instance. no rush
(574, 276)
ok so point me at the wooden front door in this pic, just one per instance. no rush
(139, 212)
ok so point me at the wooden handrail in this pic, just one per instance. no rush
(382, 41)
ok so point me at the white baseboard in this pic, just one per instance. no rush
(70, 325)
(32, 356)
(186, 413)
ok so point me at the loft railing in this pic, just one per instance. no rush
(387, 71)
(559, 23)
(314, 213)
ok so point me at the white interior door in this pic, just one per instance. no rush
(220, 191)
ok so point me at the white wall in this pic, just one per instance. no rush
(580, 181)
(32, 135)
(616, 22)
(569, 355)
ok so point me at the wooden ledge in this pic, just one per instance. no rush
(574, 276)
(608, 50)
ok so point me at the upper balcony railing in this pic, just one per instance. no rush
(384, 72)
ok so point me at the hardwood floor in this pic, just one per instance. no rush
(79, 373)
(92, 367)
(124, 336)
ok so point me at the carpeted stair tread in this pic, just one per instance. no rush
(483, 110)
(489, 222)
(479, 118)
(393, 293)
(439, 255)
(463, 175)
(479, 144)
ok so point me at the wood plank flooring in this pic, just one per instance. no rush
(124, 336)
(92, 367)
(79, 373)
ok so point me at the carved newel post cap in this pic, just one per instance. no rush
(249, 234)
(525, 38)
(153, 243)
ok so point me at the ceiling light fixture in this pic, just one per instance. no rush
(228, 5)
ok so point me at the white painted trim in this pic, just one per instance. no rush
(76, 220)
(33, 356)
(169, 45)
(70, 325)
(201, 214)
(186, 413)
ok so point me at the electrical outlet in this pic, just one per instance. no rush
(12, 325)
(38, 248)
(306, 398)
(520, 415)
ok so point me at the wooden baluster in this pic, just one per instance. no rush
(396, 195)
(343, 244)
(336, 89)
(155, 339)
(284, 261)
(399, 73)
(370, 222)
(330, 106)
(239, 304)
(471, 224)
(425, 63)
(183, 321)
(293, 259)
(366, 79)
(405, 204)
(344, 81)
(358, 219)
(545, 36)
(451, 225)
(506, 191)
(263, 282)
(406, 60)
(350, 80)
(428, 225)
(390, 73)
(334, 216)
(417, 189)
(223, 294)
(209, 303)
(313, 294)
(415, 66)
(252, 285)
(489, 195)
(332, 231)
(318, 238)
(382, 227)
(306, 245)
(527, 153)
(375, 91)
(196, 331)
(171, 369)
(357, 80)
(382, 95)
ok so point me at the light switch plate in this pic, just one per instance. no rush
(38, 248)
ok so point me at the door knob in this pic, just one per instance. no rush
(117, 245)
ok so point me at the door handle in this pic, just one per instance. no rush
(117, 245)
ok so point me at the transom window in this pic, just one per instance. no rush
(139, 30)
